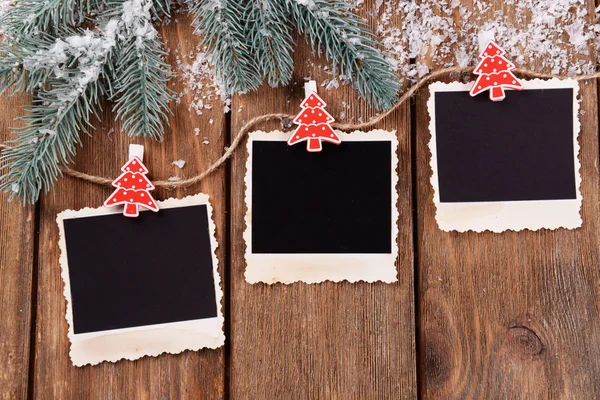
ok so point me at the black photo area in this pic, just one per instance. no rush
(128, 272)
(335, 201)
(520, 148)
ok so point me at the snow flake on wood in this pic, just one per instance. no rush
(133, 189)
(178, 163)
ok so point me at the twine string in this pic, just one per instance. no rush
(248, 126)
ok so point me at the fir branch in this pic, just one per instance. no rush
(140, 84)
(53, 17)
(58, 113)
(161, 8)
(345, 41)
(48, 139)
(268, 27)
(221, 23)
(14, 78)
(139, 73)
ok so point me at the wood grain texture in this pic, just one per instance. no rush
(339, 341)
(17, 239)
(511, 315)
(193, 375)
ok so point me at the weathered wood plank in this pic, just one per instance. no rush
(192, 375)
(325, 340)
(17, 238)
(511, 315)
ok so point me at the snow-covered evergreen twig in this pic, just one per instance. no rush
(48, 140)
(53, 17)
(60, 111)
(139, 73)
(268, 27)
(14, 78)
(223, 29)
(346, 42)
(82, 67)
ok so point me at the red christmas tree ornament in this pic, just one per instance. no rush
(133, 189)
(314, 122)
(494, 73)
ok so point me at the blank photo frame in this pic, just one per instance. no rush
(331, 215)
(505, 165)
(141, 286)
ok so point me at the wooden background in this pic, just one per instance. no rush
(473, 315)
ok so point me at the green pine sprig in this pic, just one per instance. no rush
(67, 76)
(49, 138)
(53, 17)
(269, 30)
(139, 74)
(335, 31)
(223, 30)
(140, 84)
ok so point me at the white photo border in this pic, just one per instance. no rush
(316, 268)
(506, 215)
(151, 340)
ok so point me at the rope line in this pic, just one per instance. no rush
(248, 126)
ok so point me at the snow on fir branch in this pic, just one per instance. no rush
(67, 77)
(222, 25)
(339, 34)
(140, 75)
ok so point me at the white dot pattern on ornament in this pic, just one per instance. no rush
(305, 129)
(314, 135)
(142, 194)
(150, 202)
(130, 199)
